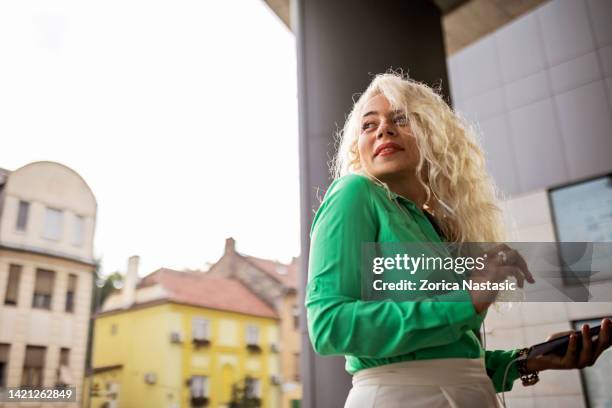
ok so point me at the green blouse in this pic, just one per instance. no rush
(373, 333)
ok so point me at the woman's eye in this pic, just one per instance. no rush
(367, 125)
(400, 120)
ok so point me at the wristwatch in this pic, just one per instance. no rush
(528, 377)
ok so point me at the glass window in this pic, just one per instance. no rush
(64, 357)
(53, 224)
(253, 388)
(78, 234)
(22, 215)
(70, 291)
(297, 366)
(43, 289)
(201, 328)
(64, 377)
(252, 335)
(199, 386)
(296, 317)
(4, 354)
(596, 379)
(12, 287)
(33, 365)
(581, 211)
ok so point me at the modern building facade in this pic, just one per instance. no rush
(276, 284)
(540, 91)
(47, 221)
(184, 339)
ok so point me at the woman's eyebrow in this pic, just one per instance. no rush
(392, 113)
(370, 113)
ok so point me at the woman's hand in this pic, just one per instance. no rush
(501, 263)
(575, 358)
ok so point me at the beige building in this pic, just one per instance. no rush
(276, 284)
(47, 221)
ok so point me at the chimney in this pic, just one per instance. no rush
(131, 278)
(230, 245)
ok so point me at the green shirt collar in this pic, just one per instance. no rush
(394, 196)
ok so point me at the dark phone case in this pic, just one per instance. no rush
(559, 345)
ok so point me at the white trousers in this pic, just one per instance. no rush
(438, 383)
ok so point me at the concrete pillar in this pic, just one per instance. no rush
(340, 45)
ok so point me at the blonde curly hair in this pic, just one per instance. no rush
(450, 158)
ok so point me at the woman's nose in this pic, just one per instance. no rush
(385, 129)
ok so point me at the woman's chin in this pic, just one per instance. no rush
(389, 170)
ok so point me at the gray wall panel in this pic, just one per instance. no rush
(600, 12)
(587, 133)
(483, 106)
(527, 90)
(522, 54)
(609, 89)
(480, 68)
(565, 29)
(574, 73)
(605, 56)
(499, 152)
(559, 131)
(539, 155)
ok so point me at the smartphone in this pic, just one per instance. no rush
(559, 345)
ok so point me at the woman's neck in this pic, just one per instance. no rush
(411, 189)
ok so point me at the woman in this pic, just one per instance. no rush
(408, 170)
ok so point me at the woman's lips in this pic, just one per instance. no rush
(388, 151)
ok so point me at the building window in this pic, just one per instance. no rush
(33, 366)
(253, 389)
(53, 224)
(4, 354)
(70, 291)
(78, 234)
(252, 335)
(63, 370)
(22, 216)
(596, 379)
(12, 287)
(296, 374)
(113, 329)
(296, 317)
(64, 357)
(581, 211)
(200, 329)
(199, 386)
(43, 289)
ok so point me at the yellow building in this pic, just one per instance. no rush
(183, 339)
(47, 222)
(276, 284)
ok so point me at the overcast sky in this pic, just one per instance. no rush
(181, 116)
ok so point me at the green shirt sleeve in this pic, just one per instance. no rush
(339, 323)
(496, 362)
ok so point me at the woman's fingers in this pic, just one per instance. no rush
(507, 271)
(520, 262)
(586, 353)
(605, 337)
(511, 259)
(570, 357)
